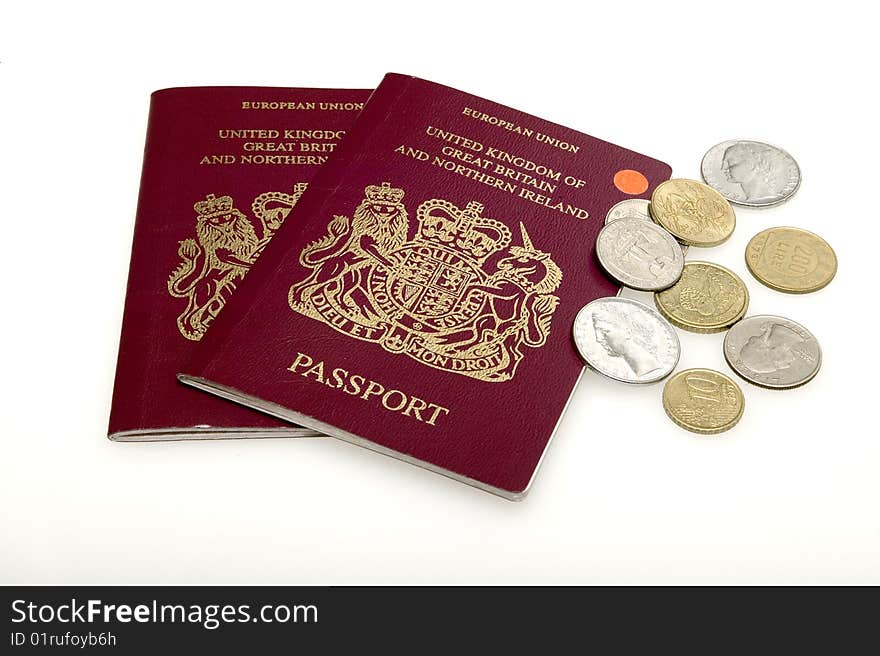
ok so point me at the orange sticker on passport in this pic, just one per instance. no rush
(630, 182)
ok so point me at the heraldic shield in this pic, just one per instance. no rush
(457, 296)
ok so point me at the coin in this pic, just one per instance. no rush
(751, 173)
(791, 260)
(772, 352)
(638, 208)
(703, 401)
(629, 208)
(694, 213)
(639, 254)
(708, 298)
(626, 340)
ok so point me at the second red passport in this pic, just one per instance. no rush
(223, 167)
(422, 305)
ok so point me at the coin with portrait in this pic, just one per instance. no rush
(751, 173)
(772, 351)
(708, 298)
(703, 401)
(791, 260)
(694, 213)
(626, 340)
(639, 254)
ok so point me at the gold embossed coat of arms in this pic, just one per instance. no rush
(226, 245)
(457, 296)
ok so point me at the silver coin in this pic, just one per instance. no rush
(637, 208)
(626, 340)
(751, 173)
(631, 208)
(639, 254)
(772, 352)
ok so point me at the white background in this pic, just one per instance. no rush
(623, 496)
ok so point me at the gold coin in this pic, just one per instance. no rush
(708, 298)
(703, 401)
(791, 260)
(694, 213)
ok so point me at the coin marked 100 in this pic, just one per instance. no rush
(626, 340)
(751, 173)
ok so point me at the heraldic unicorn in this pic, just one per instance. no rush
(456, 297)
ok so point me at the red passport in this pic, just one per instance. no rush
(420, 299)
(223, 167)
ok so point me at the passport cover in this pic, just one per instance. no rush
(423, 305)
(223, 166)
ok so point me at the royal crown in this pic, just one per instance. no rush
(213, 206)
(464, 230)
(384, 194)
